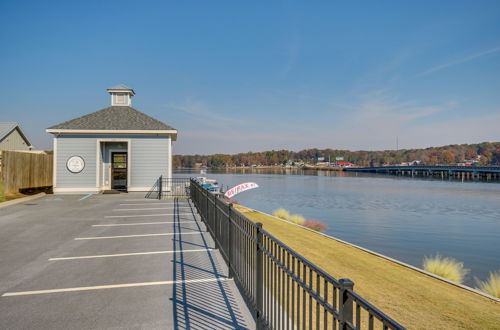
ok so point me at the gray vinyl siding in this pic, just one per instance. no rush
(14, 141)
(84, 147)
(149, 160)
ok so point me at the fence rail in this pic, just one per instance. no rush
(283, 288)
(173, 187)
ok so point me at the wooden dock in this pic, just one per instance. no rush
(487, 173)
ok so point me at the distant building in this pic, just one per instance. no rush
(322, 164)
(13, 138)
(343, 164)
(117, 148)
(473, 161)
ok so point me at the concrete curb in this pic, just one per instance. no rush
(21, 200)
(468, 288)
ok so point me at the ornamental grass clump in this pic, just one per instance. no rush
(491, 286)
(282, 214)
(447, 268)
(316, 225)
(297, 219)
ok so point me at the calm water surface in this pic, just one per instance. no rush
(403, 218)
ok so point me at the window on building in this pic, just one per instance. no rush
(120, 98)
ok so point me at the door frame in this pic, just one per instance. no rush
(110, 172)
(100, 170)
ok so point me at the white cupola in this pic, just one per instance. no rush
(121, 95)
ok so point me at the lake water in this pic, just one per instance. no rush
(406, 219)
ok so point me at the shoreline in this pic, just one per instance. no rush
(462, 286)
(390, 285)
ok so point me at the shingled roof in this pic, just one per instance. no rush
(114, 118)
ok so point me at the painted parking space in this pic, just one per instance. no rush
(101, 257)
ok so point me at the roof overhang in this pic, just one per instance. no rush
(113, 90)
(172, 133)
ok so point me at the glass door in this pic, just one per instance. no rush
(119, 170)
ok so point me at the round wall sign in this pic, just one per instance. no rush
(75, 164)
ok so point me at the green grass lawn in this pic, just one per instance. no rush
(414, 299)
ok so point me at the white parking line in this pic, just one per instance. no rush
(140, 235)
(143, 200)
(145, 215)
(140, 223)
(114, 286)
(134, 204)
(155, 208)
(128, 254)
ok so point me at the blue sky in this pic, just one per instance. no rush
(235, 76)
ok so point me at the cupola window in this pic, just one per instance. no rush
(121, 95)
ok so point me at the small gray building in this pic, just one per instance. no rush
(117, 148)
(13, 138)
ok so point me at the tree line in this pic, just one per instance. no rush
(486, 153)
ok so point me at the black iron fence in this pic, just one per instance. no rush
(173, 187)
(284, 289)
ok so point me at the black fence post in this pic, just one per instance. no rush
(230, 239)
(160, 187)
(207, 210)
(259, 279)
(191, 189)
(345, 303)
(216, 224)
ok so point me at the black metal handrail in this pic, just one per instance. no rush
(284, 289)
(173, 187)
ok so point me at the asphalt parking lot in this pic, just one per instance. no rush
(113, 262)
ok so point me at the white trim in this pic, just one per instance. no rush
(97, 162)
(99, 169)
(171, 133)
(114, 90)
(109, 131)
(80, 190)
(169, 164)
(54, 163)
(129, 163)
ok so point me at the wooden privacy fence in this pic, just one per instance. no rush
(25, 170)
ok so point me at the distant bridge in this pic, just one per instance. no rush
(457, 172)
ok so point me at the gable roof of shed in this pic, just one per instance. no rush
(114, 118)
(7, 128)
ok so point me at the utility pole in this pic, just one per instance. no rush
(397, 143)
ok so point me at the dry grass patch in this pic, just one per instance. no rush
(492, 285)
(447, 268)
(297, 219)
(282, 214)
